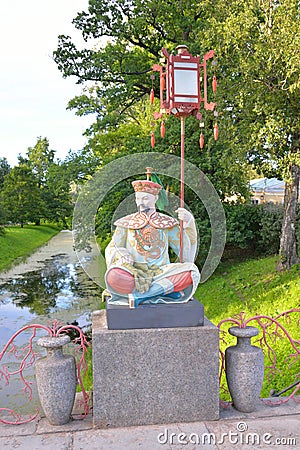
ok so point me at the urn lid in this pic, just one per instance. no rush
(53, 342)
(247, 332)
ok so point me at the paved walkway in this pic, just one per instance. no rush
(269, 427)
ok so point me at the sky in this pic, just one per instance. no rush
(33, 93)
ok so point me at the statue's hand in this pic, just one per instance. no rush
(185, 216)
(124, 257)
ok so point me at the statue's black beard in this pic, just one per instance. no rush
(144, 210)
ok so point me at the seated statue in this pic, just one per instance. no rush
(138, 265)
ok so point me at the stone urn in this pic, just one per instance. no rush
(244, 365)
(56, 380)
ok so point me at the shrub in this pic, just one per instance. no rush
(242, 221)
(256, 228)
(270, 221)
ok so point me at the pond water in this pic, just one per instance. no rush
(50, 285)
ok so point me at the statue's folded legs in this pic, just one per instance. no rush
(122, 282)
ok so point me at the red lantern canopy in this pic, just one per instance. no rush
(183, 78)
(180, 89)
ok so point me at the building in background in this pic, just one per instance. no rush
(267, 190)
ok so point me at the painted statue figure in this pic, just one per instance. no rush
(138, 265)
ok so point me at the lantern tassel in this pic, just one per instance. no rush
(162, 129)
(151, 96)
(214, 83)
(216, 131)
(201, 140)
(152, 140)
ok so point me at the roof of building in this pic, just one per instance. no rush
(267, 185)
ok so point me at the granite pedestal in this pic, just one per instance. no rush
(154, 376)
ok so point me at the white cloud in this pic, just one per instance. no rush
(33, 94)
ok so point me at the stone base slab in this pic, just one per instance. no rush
(172, 315)
(154, 376)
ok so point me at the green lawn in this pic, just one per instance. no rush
(20, 242)
(256, 288)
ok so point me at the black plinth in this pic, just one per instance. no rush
(172, 315)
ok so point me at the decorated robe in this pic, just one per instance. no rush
(147, 239)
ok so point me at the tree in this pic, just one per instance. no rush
(257, 46)
(137, 30)
(21, 197)
(60, 176)
(258, 42)
(79, 166)
(56, 195)
(4, 170)
(40, 157)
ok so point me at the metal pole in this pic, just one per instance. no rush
(182, 121)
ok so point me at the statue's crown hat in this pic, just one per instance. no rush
(148, 186)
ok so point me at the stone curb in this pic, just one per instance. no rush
(41, 426)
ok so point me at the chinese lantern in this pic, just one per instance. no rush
(152, 140)
(162, 129)
(216, 131)
(151, 96)
(201, 140)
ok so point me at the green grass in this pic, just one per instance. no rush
(255, 287)
(87, 378)
(18, 243)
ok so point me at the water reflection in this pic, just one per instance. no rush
(54, 287)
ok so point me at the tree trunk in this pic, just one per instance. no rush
(288, 246)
